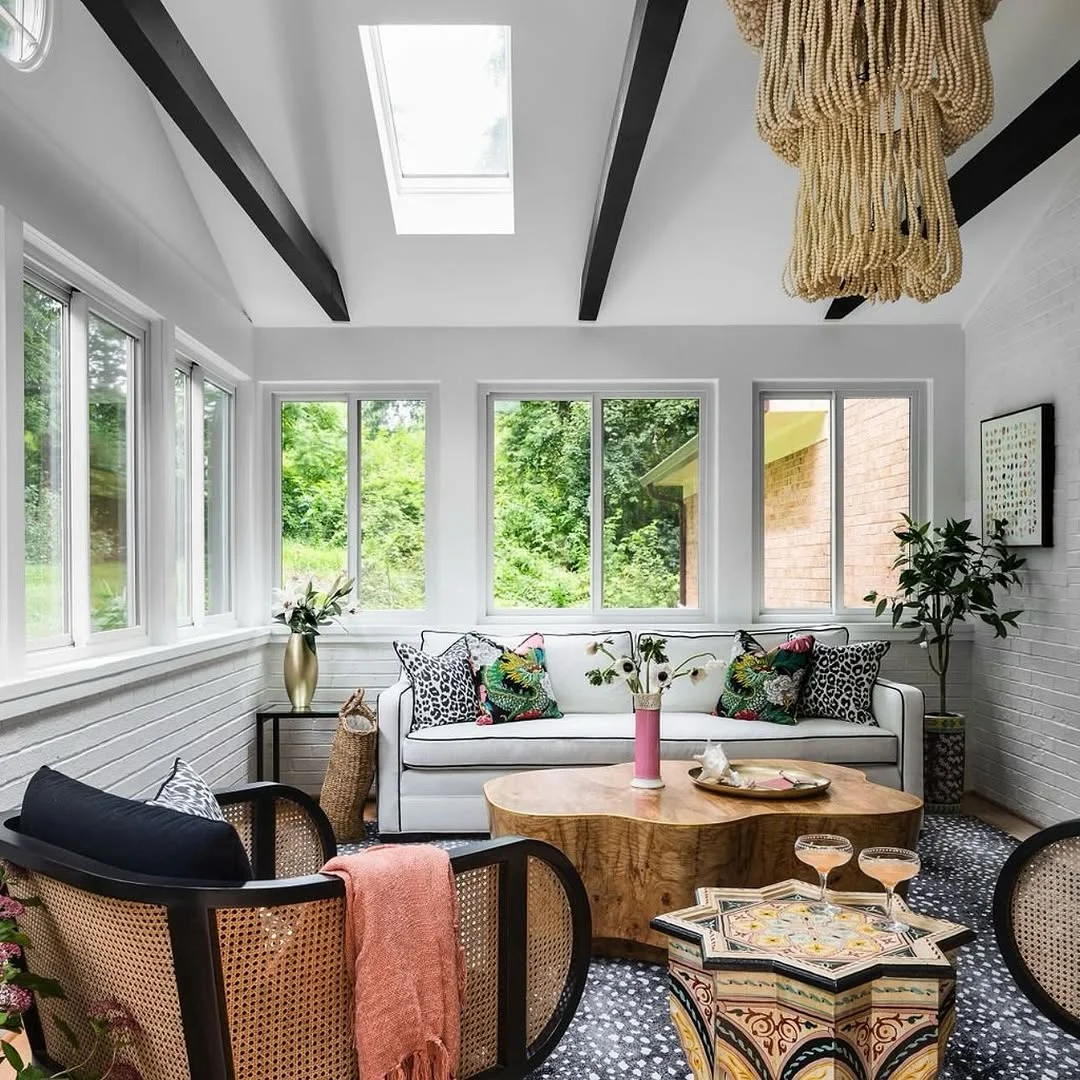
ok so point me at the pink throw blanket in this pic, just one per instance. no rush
(408, 967)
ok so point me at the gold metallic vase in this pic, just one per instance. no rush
(301, 672)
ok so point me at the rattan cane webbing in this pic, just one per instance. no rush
(1046, 920)
(297, 848)
(287, 991)
(551, 941)
(240, 816)
(98, 947)
(478, 907)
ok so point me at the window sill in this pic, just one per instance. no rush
(75, 679)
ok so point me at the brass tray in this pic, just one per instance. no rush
(807, 784)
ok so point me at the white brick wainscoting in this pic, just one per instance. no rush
(1023, 347)
(346, 663)
(125, 736)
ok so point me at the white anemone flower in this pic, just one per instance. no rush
(663, 675)
(592, 648)
(626, 667)
(698, 674)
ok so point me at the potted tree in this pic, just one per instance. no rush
(948, 574)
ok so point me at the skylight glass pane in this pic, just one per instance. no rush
(449, 99)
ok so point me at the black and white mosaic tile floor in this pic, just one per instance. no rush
(622, 1032)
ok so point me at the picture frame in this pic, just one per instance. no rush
(1017, 473)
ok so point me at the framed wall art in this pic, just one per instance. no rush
(1017, 452)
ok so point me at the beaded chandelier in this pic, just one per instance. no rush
(867, 97)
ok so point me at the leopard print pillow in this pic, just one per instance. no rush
(842, 680)
(444, 691)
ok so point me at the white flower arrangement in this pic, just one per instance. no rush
(304, 608)
(651, 672)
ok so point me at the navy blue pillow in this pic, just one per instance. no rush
(130, 835)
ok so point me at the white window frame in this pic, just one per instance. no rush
(202, 367)
(835, 393)
(41, 42)
(89, 294)
(596, 393)
(352, 399)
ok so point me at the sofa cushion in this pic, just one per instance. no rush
(597, 739)
(764, 684)
(841, 681)
(130, 835)
(512, 684)
(444, 690)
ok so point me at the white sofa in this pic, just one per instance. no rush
(431, 780)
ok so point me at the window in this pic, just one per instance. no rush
(24, 32)
(594, 502)
(110, 369)
(183, 495)
(353, 494)
(205, 421)
(81, 419)
(45, 336)
(836, 476)
(441, 96)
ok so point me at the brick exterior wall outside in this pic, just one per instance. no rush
(877, 490)
(798, 527)
(691, 564)
(1023, 347)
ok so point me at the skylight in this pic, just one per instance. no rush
(442, 108)
(24, 30)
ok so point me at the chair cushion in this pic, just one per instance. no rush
(599, 739)
(185, 790)
(130, 835)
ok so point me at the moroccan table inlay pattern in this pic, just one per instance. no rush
(762, 988)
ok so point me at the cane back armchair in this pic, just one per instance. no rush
(249, 982)
(1037, 921)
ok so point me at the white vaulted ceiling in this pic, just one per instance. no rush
(709, 223)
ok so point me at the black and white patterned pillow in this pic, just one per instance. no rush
(185, 790)
(842, 680)
(444, 690)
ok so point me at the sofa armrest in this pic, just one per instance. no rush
(898, 708)
(395, 708)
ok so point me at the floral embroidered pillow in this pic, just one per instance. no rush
(512, 684)
(765, 684)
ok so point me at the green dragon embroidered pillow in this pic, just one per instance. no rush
(512, 684)
(765, 684)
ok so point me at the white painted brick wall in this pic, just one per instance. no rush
(125, 740)
(1023, 347)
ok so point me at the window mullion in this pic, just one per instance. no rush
(354, 524)
(596, 503)
(198, 507)
(78, 456)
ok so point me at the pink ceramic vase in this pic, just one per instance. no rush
(647, 742)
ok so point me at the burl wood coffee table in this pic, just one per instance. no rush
(641, 853)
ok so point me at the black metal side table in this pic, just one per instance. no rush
(275, 714)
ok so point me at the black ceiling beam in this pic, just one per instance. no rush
(1051, 122)
(152, 44)
(653, 34)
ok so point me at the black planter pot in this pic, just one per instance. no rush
(943, 763)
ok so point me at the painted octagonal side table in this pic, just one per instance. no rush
(764, 989)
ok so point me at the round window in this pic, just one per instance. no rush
(24, 32)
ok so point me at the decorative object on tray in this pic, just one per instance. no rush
(762, 988)
(350, 769)
(647, 676)
(866, 99)
(754, 779)
(1018, 475)
(765, 684)
(948, 574)
(304, 609)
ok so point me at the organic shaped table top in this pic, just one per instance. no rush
(775, 929)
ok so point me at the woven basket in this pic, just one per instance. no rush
(350, 770)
